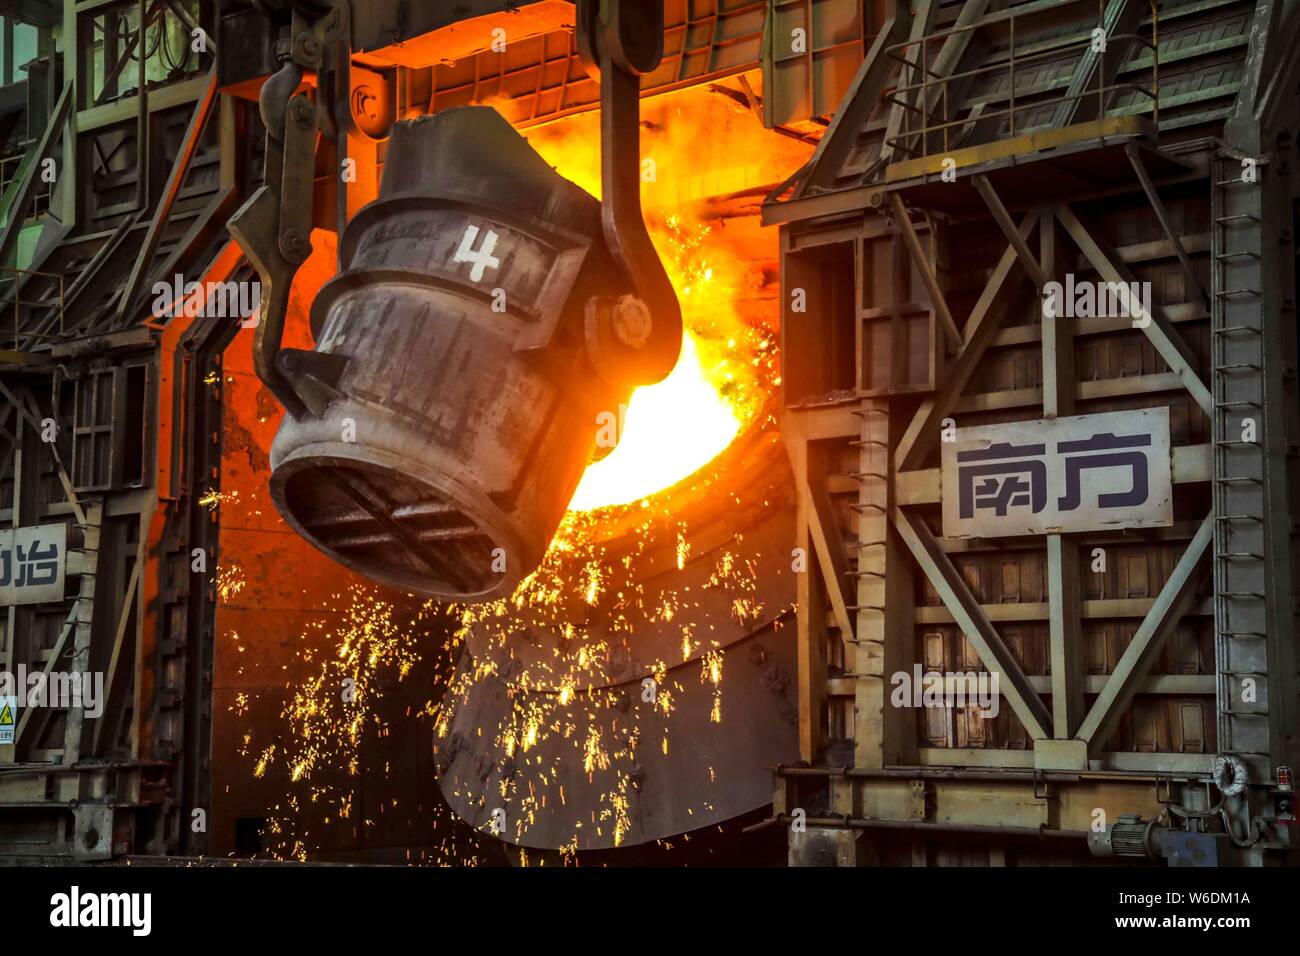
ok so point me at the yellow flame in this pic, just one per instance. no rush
(671, 430)
(675, 427)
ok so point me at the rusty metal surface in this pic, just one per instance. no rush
(711, 773)
(606, 767)
(472, 425)
(736, 580)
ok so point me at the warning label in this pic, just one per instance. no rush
(8, 719)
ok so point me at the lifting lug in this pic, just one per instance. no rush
(636, 338)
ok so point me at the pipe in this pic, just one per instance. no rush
(1010, 775)
(860, 823)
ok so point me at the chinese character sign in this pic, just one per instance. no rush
(32, 564)
(1085, 473)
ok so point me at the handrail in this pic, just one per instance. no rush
(19, 301)
(914, 97)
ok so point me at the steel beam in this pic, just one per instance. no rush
(56, 652)
(853, 114)
(1099, 68)
(23, 188)
(1168, 343)
(922, 20)
(810, 625)
(830, 551)
(115, 658)
(82, 633)
(1065, 611)
(1009, 230)
(1166, 224)
(974, 624)
(981, 328)
(885, 615)
(1160, 622)
(35, 423)
(924, 267)
(189, 144)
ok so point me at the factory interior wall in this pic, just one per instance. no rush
(283, 609)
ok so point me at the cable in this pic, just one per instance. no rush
(172, 63)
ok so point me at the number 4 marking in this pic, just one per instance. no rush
(482, 258)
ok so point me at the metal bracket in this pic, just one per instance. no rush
(274, 226)
(922, 803)
(1042, 788)
(635, 339)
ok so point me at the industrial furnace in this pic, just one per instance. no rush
(783, 432)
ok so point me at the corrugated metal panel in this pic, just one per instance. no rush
(811, 51)
(1202, 48)
(541, 78)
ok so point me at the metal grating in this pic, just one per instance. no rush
(380, 520)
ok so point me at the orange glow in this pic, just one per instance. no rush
(671, 429)
(638, 467)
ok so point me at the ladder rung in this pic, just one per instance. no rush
(1236, 365)
(862, 507)
(1234, 182)
(1239, 556)
(1258, 634)
(1242, 594)
(1237, 217)
(1228, 330)
(1235, 480)
(1224, 256)
(1255, 518)
(868, 474)
(1237, 405)
(1234, 441)
(1226, 293)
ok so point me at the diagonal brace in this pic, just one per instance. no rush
(830, 555)
(1159, 623)
(981, 328)
(975, 625)
(1003, 218)
(937, 297)
(1168, 343)
(1166, 224)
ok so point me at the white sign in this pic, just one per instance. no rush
(1086, 473)
(31, 564)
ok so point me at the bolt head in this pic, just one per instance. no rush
(296, 245)
(631, 322)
